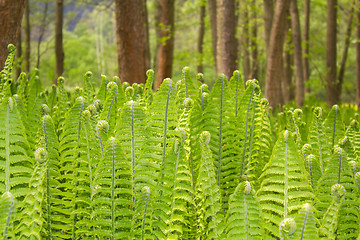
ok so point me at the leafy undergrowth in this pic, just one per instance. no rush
(125, 162)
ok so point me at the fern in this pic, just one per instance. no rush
(208, 200)
(6, 210)
(284, 187)
(244, 217)
(113, 195)
(306, 224)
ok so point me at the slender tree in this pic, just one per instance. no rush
(166, 48)
(246, 41)
(346, 47)
(132, 40)
(59, 51)
(41, 32)
(27, 37)
(11, 13)
(274, 57)
(254, 42)
(357, 49)
(18, 55)
(296, 37)
(287, 85)
(201, 36)
(157, 19)
(268, 19)
(213, 26)
(306, 40)
(226, 55)
(332, 91)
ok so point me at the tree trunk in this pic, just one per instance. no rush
(245, 42)
(357, 48)
(268, 19)
(332, 93)
(18, 55)
(157, 20)
(296, 37)
(27, 38)
(306, 41)
(213, 25)
(166, 49)
(287, 84)
(201, 37)
(346, 47)
(274, 66)
(132, 40)
(226, 42)
(59, 52)
(11, 13)
(41, 33)
(254, 50)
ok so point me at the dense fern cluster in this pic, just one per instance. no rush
(125, 162)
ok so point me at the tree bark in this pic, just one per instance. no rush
(268, 19)
(157, 20)
(296, 37)
(18, 55)
(41, 33)
(287, 85)
(332, 93)
(357, 49)
(346, 48)
(132, 40)
(59, 51)
(166, 48)
(226, 41)
(27, 37)
(245, 42)
(11, 13)
(306, 38)
(254, 49)
(274, 66)
(213, 25)
(201, 37)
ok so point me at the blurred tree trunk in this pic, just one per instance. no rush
(166, 48)
(132, 40)
(226, 41)
(201, 37)
(357, 48)
(254, 50)
(27, 37)
(245, 42)
(18, 55)
(332, 93)
(274, 57)
(158, 32)
(11, 13)
(296, 37)
(59, 51)
(287, 85)
(268, 19)
(306, 41)
(41, 33)
(346, 48)
(213, 25)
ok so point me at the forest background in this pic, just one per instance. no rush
(264, 39)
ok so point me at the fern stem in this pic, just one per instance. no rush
(9, 215)
(133, 149)
(334, 128)
(286, 174)
(7, 150)
(165, 122)
(320, 149)
(220, 133)
(246, 217)
(305, 220)
(237, 94)
(185, 82)
(113, 192)
(246, 129)
(48, 214)
(144, 218)
(310, 171)
(340, 161)
(112, 102)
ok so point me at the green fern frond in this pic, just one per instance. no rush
(6, 212)
(6, 73)
(306, 223)
(208, 195)
(148, 93)
(335, 129)
(284, 187)
(101, 94)
(244, 218)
